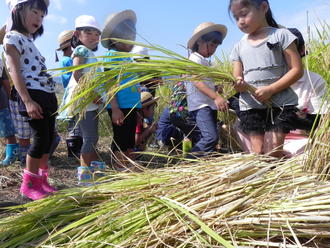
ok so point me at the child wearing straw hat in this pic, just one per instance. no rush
(145, 130)
(124, 104)
(64, 40)
(202, 97)
(74, 141)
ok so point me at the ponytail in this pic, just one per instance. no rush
(269, 17)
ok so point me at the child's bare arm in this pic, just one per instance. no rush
(117, 115)
(13, 60)
(295, 72)
(218, 100)
(240, 85)
(77, 74)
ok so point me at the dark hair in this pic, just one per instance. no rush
(300, 40)
(75, 40)
(256, 3)
(215, 37)
(19, 12)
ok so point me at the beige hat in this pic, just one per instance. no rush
(64, 39)
(113, 21)
(2, 34)
(204, 28)
(147, 99)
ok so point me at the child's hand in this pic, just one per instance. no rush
(153, 127)
(98, 100)
(221, 103)
(34, 110)
(117, 117)
(240, 85)
(263, 94)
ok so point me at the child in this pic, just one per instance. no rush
(36, 91)
(74, 142)
(311, 90)
(64, 39)
(203, 100)
(145, 130)
(85, 41)
(267, 58)
(123, 106)
(7, 130)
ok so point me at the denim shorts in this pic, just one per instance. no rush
(7, 128)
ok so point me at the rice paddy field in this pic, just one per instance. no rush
(225, 200)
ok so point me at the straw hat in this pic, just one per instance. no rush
(204, 28)
(64, 39)
(147, 99)
(113, 21)
(2, 34)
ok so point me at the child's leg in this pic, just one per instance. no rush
(257, 141)
(124, 138)
(89, 129)
(276, 144)
(23, 130)
(206, 123)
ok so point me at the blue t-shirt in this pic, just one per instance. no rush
(129, 97)
(66, 62)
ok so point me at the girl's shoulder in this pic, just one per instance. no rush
(82, 51)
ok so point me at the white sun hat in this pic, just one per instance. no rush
(140, 50)
(87, 21)
(113, 21)
(205, 28)
(13, 3)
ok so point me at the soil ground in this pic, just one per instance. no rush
(62, 171)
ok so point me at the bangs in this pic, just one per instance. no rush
(89, 29)
(38, 4)
(215, 37)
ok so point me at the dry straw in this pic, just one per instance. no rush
(235, 200)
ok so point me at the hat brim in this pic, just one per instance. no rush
(148, 103)
(64, 45)
(2, 34)
(113, 21)
(216, 27)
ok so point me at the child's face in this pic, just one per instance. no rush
(249, 19)
(206, 48)
(149, 111)
(89, 37)
(33, 19)
(123, 47)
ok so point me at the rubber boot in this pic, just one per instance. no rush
(98, 169)
(54, 145)
(23, 150)
(85, 175)
(31, 186)
(11, 154)
(74, 145)
(45, 185)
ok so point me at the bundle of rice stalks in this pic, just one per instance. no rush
(170, 66)
(233, 201)
(318, 160)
